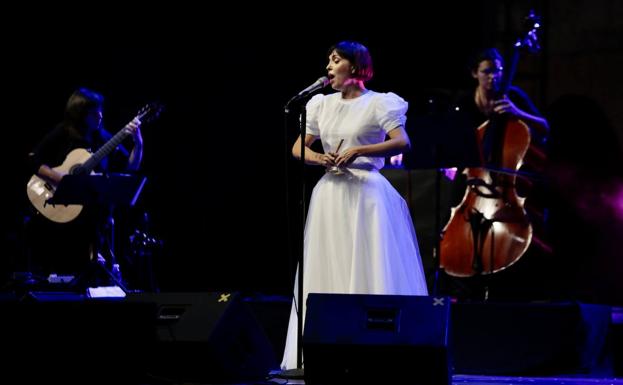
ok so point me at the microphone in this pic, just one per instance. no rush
(318, 85)
(321, 83)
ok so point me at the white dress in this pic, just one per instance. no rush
(359, 236)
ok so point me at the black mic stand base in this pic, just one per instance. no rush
(97, 274)
(292, 374)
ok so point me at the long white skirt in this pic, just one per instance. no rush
(359, 239)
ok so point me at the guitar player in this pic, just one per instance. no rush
(66, 245)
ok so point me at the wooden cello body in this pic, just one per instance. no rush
(490, 229)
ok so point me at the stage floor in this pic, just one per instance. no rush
(496, 380)
(500, 380)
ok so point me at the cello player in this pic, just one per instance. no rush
(483, 103)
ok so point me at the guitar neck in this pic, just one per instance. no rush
(106, 149)
(147, 113)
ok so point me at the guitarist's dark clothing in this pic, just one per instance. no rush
(67, 248)
(59, 142)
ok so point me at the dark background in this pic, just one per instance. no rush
(217, 160)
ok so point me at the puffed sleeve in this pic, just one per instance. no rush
(391, 111)
(314, 107)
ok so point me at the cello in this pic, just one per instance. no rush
(490, 229)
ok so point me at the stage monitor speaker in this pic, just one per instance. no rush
(355, 338)
(62, 337)
(208, 337)
(532, 338)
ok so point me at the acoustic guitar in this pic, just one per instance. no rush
(79, 161)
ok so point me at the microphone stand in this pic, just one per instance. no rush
(298, 372)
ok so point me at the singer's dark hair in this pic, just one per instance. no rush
(80, 103)
(358, 55)
(489, 54)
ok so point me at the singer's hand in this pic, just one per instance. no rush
(347, 157)
(328, 159)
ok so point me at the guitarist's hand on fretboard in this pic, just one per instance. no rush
(134, 128)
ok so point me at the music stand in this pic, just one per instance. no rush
(109, 189)
(442, 141)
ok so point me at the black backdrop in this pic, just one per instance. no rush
(216, 159)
